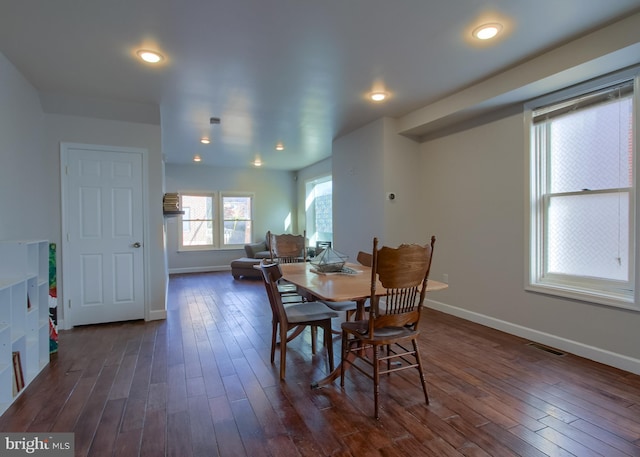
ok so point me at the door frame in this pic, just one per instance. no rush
(66, 321)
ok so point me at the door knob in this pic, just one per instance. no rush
(137, 244)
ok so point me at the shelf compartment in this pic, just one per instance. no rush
(18, 309)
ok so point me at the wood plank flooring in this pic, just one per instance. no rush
(200, 384)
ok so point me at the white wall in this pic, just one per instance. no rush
(73, 129)
(358, 192)
(368, 164)
(30, 172)
(274, 208)
(403, 178)
(27, 171)
(474, 193)
(470, 194)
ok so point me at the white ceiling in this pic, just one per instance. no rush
(290, 71)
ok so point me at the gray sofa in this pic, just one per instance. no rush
(254, 252)
(258, 250)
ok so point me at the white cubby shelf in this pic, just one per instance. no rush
(24, 313)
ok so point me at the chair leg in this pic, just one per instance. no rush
(376, 382)
(314, 337)
(293, 335)
(423, 380)
(283, 351)
(388, 359)
(343, 361)
(274, 335)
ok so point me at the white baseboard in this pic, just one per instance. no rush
(173, 271)
(620, 361)
(158, 314)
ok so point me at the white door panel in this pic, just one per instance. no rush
(104, 226)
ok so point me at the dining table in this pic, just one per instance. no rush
(352, 285)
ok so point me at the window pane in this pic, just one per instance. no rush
(197, 221)
(237, 208)
(588, 235)
(237, 232)
(592, 148)
(237, 219)
(197, 233)
(319, 211)
(199, 207)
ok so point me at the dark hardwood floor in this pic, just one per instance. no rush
(201, 384)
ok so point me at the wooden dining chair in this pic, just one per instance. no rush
(364, 258)
(288, 248)
(289, 321)
(371, 345)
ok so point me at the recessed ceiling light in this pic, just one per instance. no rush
(487, 31)
(197, 158)
(279, 147)
(377, 96)
(149, 56)
(205, 140)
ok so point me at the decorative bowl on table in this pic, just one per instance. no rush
(329, 261)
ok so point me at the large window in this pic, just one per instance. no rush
(319, 210)
(215, 221)
(237, 215)
(197, 222)
(583, 196)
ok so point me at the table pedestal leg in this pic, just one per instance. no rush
(335, 374)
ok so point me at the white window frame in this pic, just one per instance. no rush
(222, 220)
(214, 222)
(310, 209)
(217, 221)
(592, 291)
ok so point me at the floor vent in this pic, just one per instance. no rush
(542, 347)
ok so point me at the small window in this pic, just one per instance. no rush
(197, 222)
(237, 216)
(583, 197)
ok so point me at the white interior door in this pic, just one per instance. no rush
(103, 262)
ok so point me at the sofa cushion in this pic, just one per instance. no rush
(244, 266)
(258, 250)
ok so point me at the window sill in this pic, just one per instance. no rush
(197, 249)
(210, 249)
(612, 299)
